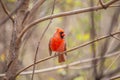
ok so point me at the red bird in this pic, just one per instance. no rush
(58, 45)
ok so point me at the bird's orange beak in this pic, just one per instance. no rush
(63, 34)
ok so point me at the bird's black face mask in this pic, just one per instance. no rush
(62, 35)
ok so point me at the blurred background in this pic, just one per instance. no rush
(79, 29)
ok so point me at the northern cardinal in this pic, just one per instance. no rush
(57, 44)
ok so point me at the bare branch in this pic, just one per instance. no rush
(80, 46)
(63, 14)
(6, 11)
(114, 60)
(32, 12)
(66, 65)
(116, 38)
(111, 73)
(7, 18)
(70, 65)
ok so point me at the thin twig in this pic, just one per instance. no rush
(111, 73)
(32, 11)
(25, 16)
(6, 11)
(115, 59)
(35, 58)
(80, 46)
(15, 10)
(116, 38)
(63, 14)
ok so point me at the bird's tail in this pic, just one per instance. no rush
(61, 58)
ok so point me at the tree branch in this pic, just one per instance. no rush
(6, 11)
(73, 64)
(32, 12)
(64, 66)
(111, 73)
(15, 10)
(68, 65)
(80, 46)
(95, 8)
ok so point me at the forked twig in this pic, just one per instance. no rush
(6, 11)
(15, 10)
(102, 4)
(32, 11)
(115, 38)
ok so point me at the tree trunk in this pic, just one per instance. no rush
(13, 64)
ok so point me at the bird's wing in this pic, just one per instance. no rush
(65, 49)
(50, 51)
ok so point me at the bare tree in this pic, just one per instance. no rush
(23, 20)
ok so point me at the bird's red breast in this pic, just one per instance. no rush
(57, 45)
